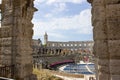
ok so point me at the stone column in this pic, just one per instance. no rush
(16, 28)
(113, 25)
(106, 23)
(23, 11)
(5, 32)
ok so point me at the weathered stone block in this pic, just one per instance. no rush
(7, 20)
(112, 1)
(98, 14)
(5, 32)
(103, 62)
(97, 3)
(114, 49)
(115, 70)
(100, 31)
(114, 32)
(104, 69)
(5, 41)
(103, 76)
(113, 11)
(115, 77)
(114, 62)
(113, 20)
(113, 28)
(101, 49)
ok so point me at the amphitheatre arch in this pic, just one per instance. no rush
(16, 26)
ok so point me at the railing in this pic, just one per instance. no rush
(7, 71)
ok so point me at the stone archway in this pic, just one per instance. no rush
(106, 23)
(17, 27)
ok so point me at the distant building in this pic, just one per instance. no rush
(56, 47)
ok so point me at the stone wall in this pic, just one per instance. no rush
(16, 26)
(73, 45)
(5, 33)
(106, 23)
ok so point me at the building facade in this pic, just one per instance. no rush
(71, 46)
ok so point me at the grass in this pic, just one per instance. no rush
(44, 74)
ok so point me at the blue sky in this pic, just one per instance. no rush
(63, 20)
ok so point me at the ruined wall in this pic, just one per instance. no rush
(6, 33)
(17, 27)
(106, 23)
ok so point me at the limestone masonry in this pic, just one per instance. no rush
(16, 35)
(106, 30)
(60, 47)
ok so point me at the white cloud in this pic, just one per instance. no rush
(59, 7)
(81, 23)
(62, 6)
(37, 2)
(40, 1)
(48, 15)
(49, 2)
(56, 35)
(0, 1)
(64, 1)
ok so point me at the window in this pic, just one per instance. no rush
(53, 44)
(85, 44)
(67, 44)
(80, 45)
(75, 44)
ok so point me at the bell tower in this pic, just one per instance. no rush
(45, 38)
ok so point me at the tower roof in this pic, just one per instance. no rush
(45, 33)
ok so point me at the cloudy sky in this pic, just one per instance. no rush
(63, 20)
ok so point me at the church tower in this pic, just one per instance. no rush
(45, 38)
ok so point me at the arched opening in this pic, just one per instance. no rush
(63, 20)
(68, 27)
(106, 35)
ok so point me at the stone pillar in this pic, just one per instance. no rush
(54, 51)
(16, 27)
(106, 23)
(51, 51)
(23, 11)
(5, 33)
(113, 25)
